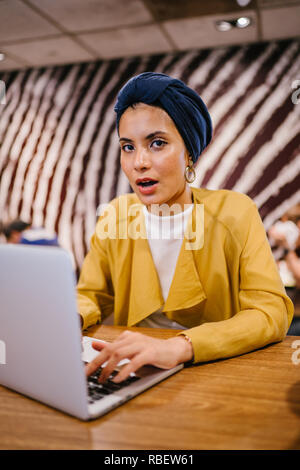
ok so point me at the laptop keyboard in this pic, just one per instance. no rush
(97, 391)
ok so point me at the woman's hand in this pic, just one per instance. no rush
(141, 350)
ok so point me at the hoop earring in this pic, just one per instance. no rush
(190, 174)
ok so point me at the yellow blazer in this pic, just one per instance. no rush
(227, 292)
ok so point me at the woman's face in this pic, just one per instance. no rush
(153, 156)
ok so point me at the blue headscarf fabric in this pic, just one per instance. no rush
(183, 105)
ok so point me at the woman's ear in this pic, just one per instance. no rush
(188, 159)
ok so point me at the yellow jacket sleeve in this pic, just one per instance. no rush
(265, 310)
(94, 287)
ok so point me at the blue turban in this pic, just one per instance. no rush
(182, 104)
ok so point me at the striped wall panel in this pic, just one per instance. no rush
(59, 154)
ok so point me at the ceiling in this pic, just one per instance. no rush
(51, 32)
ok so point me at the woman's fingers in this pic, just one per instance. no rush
(125, 352)
(136, 363)
(112, 353)
(140, 350)
(92, 366)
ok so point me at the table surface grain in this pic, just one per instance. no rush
(247, 402)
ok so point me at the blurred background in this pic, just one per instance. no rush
(62, 65)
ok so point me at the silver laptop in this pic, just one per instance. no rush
(42, 352)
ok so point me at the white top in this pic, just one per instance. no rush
(165, 235)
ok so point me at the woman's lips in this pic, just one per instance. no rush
(148, 189)
(146, 185)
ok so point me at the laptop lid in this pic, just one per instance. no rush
(39, 327)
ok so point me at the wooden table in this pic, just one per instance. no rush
(247, 402)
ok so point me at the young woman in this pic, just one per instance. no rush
(198, 260)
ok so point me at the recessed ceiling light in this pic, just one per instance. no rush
(226, 25)
(2, 56)
(243, 3)
(223, 25)
(243, 22)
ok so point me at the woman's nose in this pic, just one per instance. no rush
(142, 159)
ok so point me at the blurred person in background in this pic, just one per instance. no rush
(13, 231)
(284, 237)
(20, 232)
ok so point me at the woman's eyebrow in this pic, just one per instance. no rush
(125, 139)
(154, 134)
(148, 137)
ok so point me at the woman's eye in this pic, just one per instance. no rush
(127, 148)
(158, 143)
